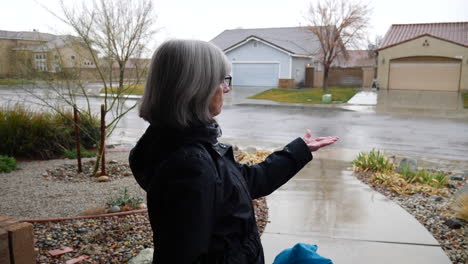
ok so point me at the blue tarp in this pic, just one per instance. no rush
(301, 254)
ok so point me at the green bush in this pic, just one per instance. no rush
(71, 153)
(373, 161)
(7, 164)
(42, 135)
(124, 198)
(435, 179)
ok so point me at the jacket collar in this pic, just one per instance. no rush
(205, 134)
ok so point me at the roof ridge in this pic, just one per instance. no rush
(267, 28)
(432, 23)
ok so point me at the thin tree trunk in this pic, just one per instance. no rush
(103, 140)
(325, 79)
(77, 138)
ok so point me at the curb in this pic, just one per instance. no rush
(44, 220)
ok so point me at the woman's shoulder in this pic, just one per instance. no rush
(193, 153)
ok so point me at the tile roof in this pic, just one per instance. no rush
(296, 40)
(456, 32)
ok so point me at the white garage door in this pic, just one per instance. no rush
(435, 76)
(255, 74)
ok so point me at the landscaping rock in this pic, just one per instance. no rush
(436, 198)
(453, 223)
(409, 163)
(144, 257)
(141, 205)
(456, 178)
(103, 179)
(114, 209)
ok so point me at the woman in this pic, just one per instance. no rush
(199, 198)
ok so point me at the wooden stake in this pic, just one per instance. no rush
(76, 119)
(103, 140)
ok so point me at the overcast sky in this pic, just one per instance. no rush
(204, 19)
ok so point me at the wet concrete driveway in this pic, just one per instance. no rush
(326, 205)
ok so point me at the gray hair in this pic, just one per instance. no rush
(182, 79)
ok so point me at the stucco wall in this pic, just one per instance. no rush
(261, 52)
(298, 69)
(5, 56)
(415, 47)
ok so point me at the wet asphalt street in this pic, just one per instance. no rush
(363, 129)
(432, 136)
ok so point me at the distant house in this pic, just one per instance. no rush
(279, 57)
(21, 52)
(430, 56)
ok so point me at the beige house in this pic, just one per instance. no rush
(424, 57)
(22, 53)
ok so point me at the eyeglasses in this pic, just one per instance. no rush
(228, 80)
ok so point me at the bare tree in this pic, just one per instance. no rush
(113, 34)
(338, 24)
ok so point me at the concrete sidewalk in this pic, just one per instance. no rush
(351, 223)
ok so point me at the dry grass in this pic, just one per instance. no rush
(460, 206)
(252, 159)
(397, 183)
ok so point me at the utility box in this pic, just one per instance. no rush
(327, 98)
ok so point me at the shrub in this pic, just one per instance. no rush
(435, 179)
(372, 161)
(124, 198)
(7, 164)
(71, 153)
(42, 135)
(404, 181)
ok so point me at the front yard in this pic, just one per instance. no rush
(132, 89)
(307, 96)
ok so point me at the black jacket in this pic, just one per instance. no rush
(200, 199)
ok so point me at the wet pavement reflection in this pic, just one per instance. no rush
(326, 205)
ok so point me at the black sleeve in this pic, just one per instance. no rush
(189, 197)
(280, 166)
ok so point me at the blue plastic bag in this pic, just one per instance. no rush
(301, 254)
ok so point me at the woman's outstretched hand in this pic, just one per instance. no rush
(315, 144)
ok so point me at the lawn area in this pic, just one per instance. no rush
(465, 99)
(134, 89)
(14, 82)
(307, 96)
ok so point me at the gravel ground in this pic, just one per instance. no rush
(51, 189)
(27, 194)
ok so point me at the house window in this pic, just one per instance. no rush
(40, 61)
(73, 57)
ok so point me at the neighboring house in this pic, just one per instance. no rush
(21, 52)
(264, 56)
(430, 56)
(280, 57)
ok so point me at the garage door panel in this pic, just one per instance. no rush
(437, 76)
(255, 74)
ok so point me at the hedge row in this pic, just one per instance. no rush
(40, 135)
